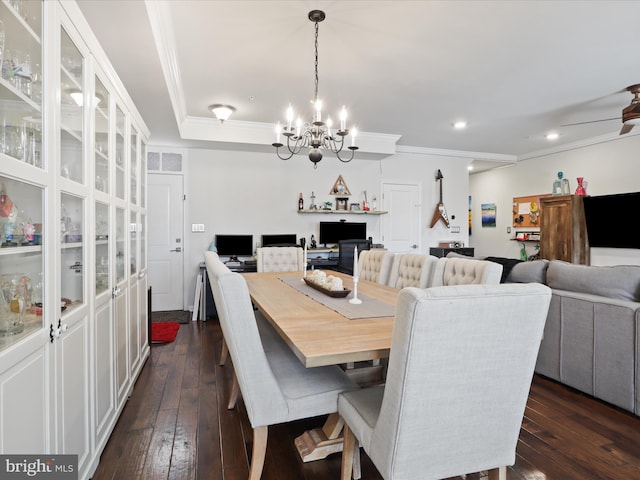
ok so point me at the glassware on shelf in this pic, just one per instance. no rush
(1, 41)
(15, 300)
(582, 186)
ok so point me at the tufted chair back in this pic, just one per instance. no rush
(280, 259)
(411, 270)
(465, 271)
(375, 265)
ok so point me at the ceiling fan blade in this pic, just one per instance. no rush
(626, 128)
(591, 121)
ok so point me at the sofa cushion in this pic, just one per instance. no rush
(620, 282)
(529, 272)
(507, 265)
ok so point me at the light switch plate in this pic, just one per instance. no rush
(197, 227)
(455, 229)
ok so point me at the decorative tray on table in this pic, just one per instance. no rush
(326, 291)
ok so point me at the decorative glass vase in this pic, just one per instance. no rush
(582, 186)
(15, 300)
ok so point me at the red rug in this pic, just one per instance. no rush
(164, 332)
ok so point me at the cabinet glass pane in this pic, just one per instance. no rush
(102, 247)
(143, 242)
(101, 145)
(120, 245)
(133, 230)
(71, 106)
(21, 81)
(71, 251)
(134, 166)
(143, 175)
(120, 153)
(21, 260)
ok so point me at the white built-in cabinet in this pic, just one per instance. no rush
(73, 286)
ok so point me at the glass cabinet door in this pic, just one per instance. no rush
(71, 251)
(133, 230)
(21, 260)
(102, 248)
(120, 177)
(120, 245)
(71, 106)
(101, 144)
(134, 166)
(21, 81)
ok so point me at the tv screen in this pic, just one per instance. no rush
(234, 245)
(607, 217)
(332, 232)
(269, 240)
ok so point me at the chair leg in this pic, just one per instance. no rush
(499, 473)
(348, 451)
(259, 451)
(223, 353)
(235, 391)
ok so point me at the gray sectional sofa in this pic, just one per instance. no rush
(592, 335)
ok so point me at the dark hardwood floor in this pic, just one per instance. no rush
(176, 426)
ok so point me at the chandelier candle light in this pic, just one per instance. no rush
(315, 135)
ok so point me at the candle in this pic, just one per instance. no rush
(304, 258)
(343, 118)
(355, 262)
(278, 130)
(354, 132)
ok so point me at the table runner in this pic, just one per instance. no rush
(369, 308)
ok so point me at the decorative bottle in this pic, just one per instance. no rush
(300, 202)
(582, 186)
(557, 185)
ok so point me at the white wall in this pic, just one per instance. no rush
(609, 167)
(235, 192)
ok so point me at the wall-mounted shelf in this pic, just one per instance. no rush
(346, 212)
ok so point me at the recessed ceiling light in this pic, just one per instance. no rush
(460, 124)
(470, 167)
(552, 136)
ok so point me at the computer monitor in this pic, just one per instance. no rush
(269, 240)
(234, 246)
(332, 232)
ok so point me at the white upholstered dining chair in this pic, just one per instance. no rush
(275, 386)
(460, 368)
(411, 270)
(375, 265)
(465, 271)
(280, 259)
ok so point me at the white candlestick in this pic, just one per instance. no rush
(304, 273)
(355, 300)
(355, 261)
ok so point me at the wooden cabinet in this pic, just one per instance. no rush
(563, 230)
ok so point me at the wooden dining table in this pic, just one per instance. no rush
(320, 335)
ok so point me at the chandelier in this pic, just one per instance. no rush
(315, 135)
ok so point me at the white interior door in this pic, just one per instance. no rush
(401, 226)
(165, 242)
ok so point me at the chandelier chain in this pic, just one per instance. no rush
(316, 64)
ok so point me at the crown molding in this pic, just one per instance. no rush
(160, 20)
(440, 152)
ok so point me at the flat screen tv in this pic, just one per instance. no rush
(269, 240)
(234, 245)
(608, 218)
(332, 232)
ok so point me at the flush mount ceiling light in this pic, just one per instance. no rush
(460, 125)
(315, 135)
(222, 112)
(552, 136)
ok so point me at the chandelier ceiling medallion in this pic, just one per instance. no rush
(315, 135)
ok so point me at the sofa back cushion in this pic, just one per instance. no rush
(529, 272)
(620, 282)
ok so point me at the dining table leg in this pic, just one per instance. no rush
(320, 442)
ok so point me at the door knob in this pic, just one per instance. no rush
(178, 249)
